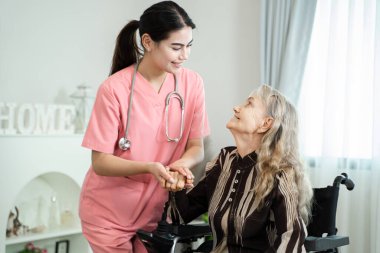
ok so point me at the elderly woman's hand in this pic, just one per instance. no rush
(180, 182)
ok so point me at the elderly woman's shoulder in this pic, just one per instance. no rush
(223, 154)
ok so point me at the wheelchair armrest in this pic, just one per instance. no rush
(191, 231)
(323, 243)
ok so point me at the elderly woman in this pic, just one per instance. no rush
(256, 193)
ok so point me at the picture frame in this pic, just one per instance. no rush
(62, 246)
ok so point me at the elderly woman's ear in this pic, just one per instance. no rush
(266, 125)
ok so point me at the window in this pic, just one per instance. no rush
(336, 106)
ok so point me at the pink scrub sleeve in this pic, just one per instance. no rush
(102, 129)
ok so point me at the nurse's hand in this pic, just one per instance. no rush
(180, 167)
(160, 172)
(179, 182)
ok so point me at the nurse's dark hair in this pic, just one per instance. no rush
(158, 21)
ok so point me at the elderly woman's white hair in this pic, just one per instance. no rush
(279, 150)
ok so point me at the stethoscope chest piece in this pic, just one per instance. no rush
(124, 144)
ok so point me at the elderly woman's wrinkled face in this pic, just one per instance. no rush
(248, 117)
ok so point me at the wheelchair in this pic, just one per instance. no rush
(322, 231)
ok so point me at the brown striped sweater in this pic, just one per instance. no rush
(237, 224)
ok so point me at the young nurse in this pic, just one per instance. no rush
(138, 130)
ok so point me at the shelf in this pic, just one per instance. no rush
(40, 236)
(48, 203)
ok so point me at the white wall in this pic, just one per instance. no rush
(49, 47)
(226, 54)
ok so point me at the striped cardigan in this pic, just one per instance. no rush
(225, 192)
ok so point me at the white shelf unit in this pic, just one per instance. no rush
(41, 236)
(48, 241)
(44, 167)
(36, 209)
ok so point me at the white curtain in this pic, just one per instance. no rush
(339, 108)
(285, 34)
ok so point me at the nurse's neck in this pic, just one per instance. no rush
(155, 76)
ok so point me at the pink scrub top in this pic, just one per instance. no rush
(136, 202)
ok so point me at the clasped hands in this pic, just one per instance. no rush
(178, 181)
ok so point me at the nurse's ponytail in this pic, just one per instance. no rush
(126, 50)
(158, 21)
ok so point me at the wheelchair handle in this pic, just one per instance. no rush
(343, 179)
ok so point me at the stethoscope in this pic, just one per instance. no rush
(124, 143)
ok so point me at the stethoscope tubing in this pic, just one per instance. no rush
(124, 143)
(130, 100)
(178, 96)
